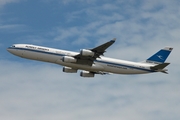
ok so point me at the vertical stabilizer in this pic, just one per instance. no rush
(160, 56)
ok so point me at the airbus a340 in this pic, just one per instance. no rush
(92, 61)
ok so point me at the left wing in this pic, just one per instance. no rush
(101, 49)
(87, 56)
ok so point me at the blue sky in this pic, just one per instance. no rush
(37, 90)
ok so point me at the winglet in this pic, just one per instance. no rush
(114, 39)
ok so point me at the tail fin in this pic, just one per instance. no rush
(161, 56)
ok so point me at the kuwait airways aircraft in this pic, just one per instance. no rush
(92, 61)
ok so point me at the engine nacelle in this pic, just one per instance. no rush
(85, 52)
(69, 70)
(86, 74)
(69, 59)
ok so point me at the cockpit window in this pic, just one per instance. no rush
(13, 46)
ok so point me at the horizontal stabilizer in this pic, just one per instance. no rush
(160, 66)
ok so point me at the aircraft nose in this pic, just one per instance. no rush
(9, 49)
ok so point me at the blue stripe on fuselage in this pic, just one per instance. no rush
(37, 51)
(127, 66)
(100, 61)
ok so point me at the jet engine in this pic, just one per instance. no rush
(86, 74)
(69, 70)
(85, 52)
(69, 59)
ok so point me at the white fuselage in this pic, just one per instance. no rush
(102, 64)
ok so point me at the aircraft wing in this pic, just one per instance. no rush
(101, 49)
(87, 56)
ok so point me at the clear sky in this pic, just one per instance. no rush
(31, 90)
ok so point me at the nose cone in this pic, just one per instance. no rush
(11, 50)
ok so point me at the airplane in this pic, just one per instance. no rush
(92, 61)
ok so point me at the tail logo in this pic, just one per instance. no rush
(160, 57)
